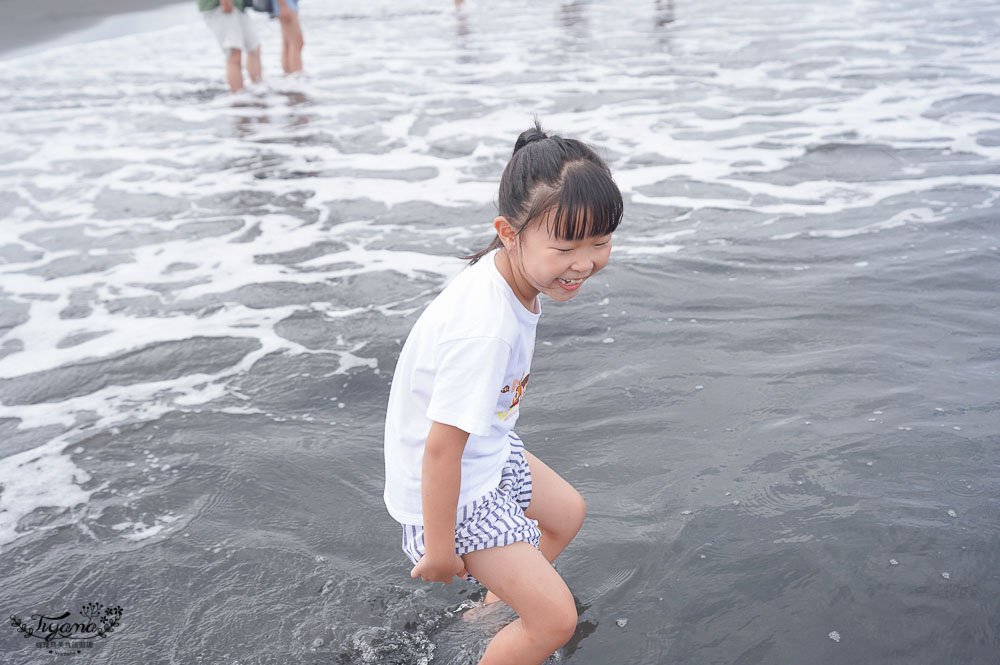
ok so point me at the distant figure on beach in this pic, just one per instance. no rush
(472, 502)
(287, 12)
(231, 26)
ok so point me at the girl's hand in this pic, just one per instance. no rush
(227, 6)
(439, 570)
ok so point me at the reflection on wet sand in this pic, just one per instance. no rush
(461, 23)
(663, 16)
(663, 13)
(573, 19)
(282, 108)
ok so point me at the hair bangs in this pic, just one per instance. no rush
(590, 204)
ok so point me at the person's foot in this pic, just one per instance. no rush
(491, 614)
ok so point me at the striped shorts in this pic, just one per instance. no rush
(493, 520)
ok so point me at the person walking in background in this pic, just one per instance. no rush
(232, 27)
(287, 12)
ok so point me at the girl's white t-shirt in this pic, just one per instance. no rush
(465, 363)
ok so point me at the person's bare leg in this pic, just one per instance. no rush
(295, 59)
(545, 607)
(234, 70)
(253, 65)
(285, 47)
(556, 505)
(292, 42)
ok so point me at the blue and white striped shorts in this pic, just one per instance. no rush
(493, 520)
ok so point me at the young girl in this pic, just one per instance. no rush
(472, 501)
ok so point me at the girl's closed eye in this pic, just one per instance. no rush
(603, 243)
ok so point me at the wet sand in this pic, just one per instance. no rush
(28, 25)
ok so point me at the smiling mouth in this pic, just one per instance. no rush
(569, 284)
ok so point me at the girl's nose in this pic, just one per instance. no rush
(583, 264)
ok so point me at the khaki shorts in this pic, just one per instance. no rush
(233, 30)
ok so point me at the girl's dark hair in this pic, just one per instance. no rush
(549, 170)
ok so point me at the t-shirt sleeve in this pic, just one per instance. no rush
(467, 383)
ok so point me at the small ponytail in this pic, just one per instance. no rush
(529, 136)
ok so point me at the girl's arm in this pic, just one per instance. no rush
(441, 480)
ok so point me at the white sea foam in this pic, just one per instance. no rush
(42, 477)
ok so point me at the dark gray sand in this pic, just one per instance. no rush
(26, 25)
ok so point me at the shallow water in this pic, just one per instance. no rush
(779, 400)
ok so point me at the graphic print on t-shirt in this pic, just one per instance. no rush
(519, 387)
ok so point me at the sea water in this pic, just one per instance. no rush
(780, 400)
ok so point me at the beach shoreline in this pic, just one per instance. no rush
(32, 27)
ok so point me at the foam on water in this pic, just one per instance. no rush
(42, 477)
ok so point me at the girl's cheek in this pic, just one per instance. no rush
(606, 257)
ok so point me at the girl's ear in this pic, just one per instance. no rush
(506, 231)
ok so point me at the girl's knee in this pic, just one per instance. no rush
(558, 625)
(581, 507)
(565, 626)
(576, 512)
(572, 512)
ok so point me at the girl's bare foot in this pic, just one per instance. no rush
(489, 611)
(491, 614)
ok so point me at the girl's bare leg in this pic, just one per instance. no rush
(556, 505)
(524, 579)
